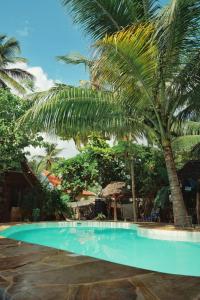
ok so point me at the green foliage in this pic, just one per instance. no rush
(150, 170)
(100, 217)
(110, 167)
(99, 18)
(44, 202)
(196, 151)
(95, 165)
(13, 139)
(98, 165)
(53, 203)
(36, 214)
(65, 197)
(76, 173)
(162, 198)
(149, 165)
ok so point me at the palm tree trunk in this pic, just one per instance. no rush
(179, 209)
(133, 191)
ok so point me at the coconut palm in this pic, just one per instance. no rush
(46, 161)
(153, 69)
(10, 76)
(158, 62)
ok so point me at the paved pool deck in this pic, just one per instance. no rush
(33, 272)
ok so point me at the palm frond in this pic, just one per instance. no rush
(2, 38)
(19, 74)
(186, 128)
(133, 54)
(178, 34)
(101, 17)
(185, 143)
(186, 84)
(75, 59)
(10, 82)
(62, 103)
(68, 111)
(2, 84)
(195, 151)
(9, 48)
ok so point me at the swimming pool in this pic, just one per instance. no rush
(116, 242)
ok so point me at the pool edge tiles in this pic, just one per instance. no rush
(150, 233)
(169, 235)
(62, 224)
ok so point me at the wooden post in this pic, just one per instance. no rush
(133, 190)
(115, 208)
(198, 202)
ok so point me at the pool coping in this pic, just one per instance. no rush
(150, 230)
(29, 271)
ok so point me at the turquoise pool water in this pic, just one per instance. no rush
(119, 245)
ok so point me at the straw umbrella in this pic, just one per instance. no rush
(113, 191)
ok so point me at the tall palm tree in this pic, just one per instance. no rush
(153, 69)
(10, 76)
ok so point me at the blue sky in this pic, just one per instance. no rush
(45, 30)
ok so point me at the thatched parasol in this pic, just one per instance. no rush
(114, 189)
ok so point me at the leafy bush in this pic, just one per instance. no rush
(100, 217)
(36, 214)
(54, 204)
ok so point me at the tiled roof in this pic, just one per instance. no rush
(55, 181)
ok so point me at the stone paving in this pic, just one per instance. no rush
(34, 272)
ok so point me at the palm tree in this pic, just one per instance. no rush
(153, 69)
(10, 76)
(46, 161)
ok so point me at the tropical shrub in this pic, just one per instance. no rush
(13, 139)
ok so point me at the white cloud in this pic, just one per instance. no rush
(68, 147)
(24, 32)
(42, 82)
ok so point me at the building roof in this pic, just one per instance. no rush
(190, 170)
(81, 203)
(22, 176)
(55, 181)
(114, 189)
(88, 193)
